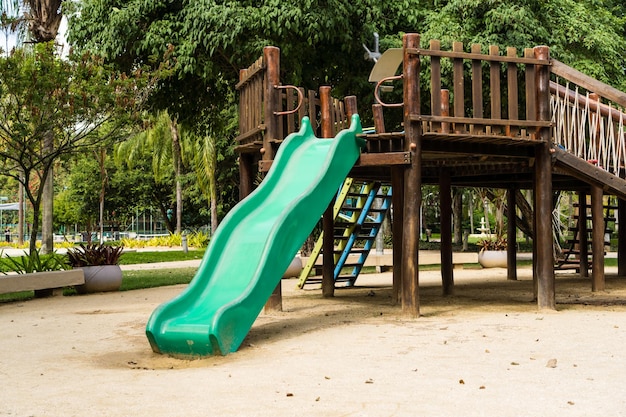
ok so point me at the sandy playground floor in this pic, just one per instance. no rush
(486, 351)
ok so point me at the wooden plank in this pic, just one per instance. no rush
(248, 74)
(384, 159)
(589, 173)
(494, 84)
(477, 86)
(593, 85)
(483, 122)
(40, 280)
(477, 55)
(459, 87)
(531, 99)
(512, 91)
(250, 133)
(435, 84)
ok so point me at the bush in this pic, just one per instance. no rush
(35, 262)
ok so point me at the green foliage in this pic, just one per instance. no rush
(134, 280)
(588, 35)
(492, 243)
(197, 239)
(147, 257)
(35, 262)
(94, 255)
(55, 107)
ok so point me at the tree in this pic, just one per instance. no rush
(79, 104)
(162, 138)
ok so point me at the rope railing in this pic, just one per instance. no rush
(588, 128)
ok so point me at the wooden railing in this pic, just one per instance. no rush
(269, 111)
(588, 118)
(496, 97)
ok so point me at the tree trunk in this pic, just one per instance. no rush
(457, 215)
(176, 155)
(47, 240)
(101, 156)
(20, 213)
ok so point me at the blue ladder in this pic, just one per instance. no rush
(357, 219)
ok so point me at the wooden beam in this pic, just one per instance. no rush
(328, 255)
(273, 132)
(588, 83)
(621, 237)
(397, 185)
(589, 173)
(583, 243)
(511, 229)
(445, 195)
(546, 297)
(412, 178)
(388, 158)
(597, 240)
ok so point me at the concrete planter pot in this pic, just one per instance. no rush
(492, 258)
(100, 278)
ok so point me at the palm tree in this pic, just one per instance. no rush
(162, 137)
(204, 162)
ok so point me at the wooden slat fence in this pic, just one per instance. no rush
(489, 91)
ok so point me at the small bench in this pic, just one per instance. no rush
(44, 284)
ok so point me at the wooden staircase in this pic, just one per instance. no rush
(569, 259)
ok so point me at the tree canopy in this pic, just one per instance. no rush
(74, 105)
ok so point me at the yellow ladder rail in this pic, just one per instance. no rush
(315, 253)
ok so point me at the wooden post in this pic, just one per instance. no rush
(511, 229)
(583, 243)
(271, 55)
(351, 107)
(597, 239)
(459, 87)
(379, 121)
(412, 178)
(621, 237)
(328, 242)
(397, 185)
(246, 175)
(477, 87)
(445, 195)
(546, 297)
(328, 254)
(445, 109)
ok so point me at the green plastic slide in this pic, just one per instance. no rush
(254, 245)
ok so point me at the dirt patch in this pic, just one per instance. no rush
(485, 350)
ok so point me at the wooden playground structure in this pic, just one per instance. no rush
(545, 127)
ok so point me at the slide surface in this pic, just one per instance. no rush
(254, 245)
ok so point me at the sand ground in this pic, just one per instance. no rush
(486, 351)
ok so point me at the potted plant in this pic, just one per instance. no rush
(99, 263)
(492, 252)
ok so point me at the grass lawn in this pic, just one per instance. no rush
(138, 279)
